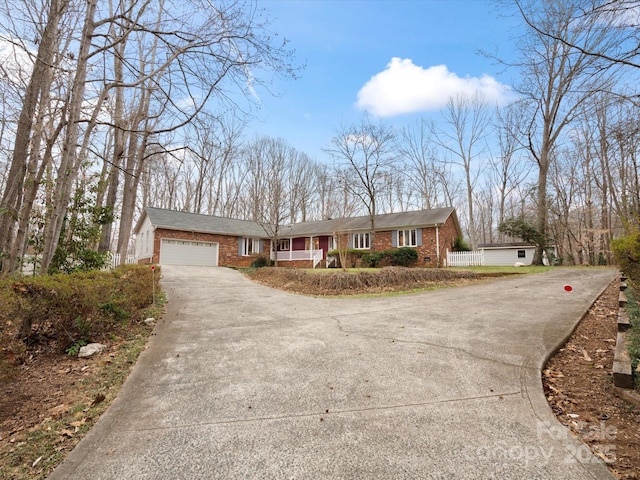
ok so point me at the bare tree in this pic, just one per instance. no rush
(427, 172)
(302, 180)
(70, 161)
(364, 154)
(272, 164)
(617, 20)
(36, 92)
(468, 122)
(159, 69)
(557, 81)
(508, 170)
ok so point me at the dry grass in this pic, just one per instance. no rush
(388, 279)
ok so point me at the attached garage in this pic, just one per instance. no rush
(185, 252)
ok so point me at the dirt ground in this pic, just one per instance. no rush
(579, 387)
(41, 387)
(48, 401)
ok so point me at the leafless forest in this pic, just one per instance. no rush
(108, 106)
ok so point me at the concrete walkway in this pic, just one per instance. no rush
(246, 382)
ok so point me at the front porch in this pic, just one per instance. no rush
(304, 249)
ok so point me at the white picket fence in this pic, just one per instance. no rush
(115, 259)
(465, 259)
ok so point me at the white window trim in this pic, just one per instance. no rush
(250, 246)
(284, 244)
(410, 234)
(361, 241)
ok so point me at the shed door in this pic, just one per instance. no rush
(186, 252)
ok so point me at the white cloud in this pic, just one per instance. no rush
(403, 87)
(16, 63)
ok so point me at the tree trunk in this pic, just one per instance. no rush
(542, 212)
(69, 161)
(11, 201)
(118, 146)
(30, 192)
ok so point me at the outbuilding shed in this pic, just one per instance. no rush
(503, 254)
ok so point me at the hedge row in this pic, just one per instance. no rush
(68, 308)
(393, 257)
(341, 283)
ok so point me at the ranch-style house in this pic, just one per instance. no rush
(169, 237)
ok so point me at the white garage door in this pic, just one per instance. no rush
(185, 252)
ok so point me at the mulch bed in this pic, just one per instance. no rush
(579, 386)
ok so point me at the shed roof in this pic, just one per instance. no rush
(503, 246)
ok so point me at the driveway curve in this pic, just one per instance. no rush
(246, 382)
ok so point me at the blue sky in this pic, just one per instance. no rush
(398, 60)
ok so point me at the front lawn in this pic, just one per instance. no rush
(507, 270)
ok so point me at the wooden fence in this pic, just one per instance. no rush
(465, 259)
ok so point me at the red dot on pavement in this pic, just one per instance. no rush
(568, 288)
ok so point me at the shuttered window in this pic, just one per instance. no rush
(408, 238)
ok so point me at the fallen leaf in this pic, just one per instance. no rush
(58, 410)
(585, 355)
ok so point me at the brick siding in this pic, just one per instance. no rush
(227, 246)
(427, 253)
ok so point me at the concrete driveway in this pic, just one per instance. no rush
(246, 382)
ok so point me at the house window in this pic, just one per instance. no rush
(522, 254)
(408, 238)
(250, 246)
(361, 241)
(284, 244)
(316, 243)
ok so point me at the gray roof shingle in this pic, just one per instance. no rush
(387, 221)
(192, 222)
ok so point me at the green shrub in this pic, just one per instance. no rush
(403, 256)
(394, 257)
(70, 308)
(459, 245)
(626, 251)
(261, 261)
(372, 259)
(75, 347)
